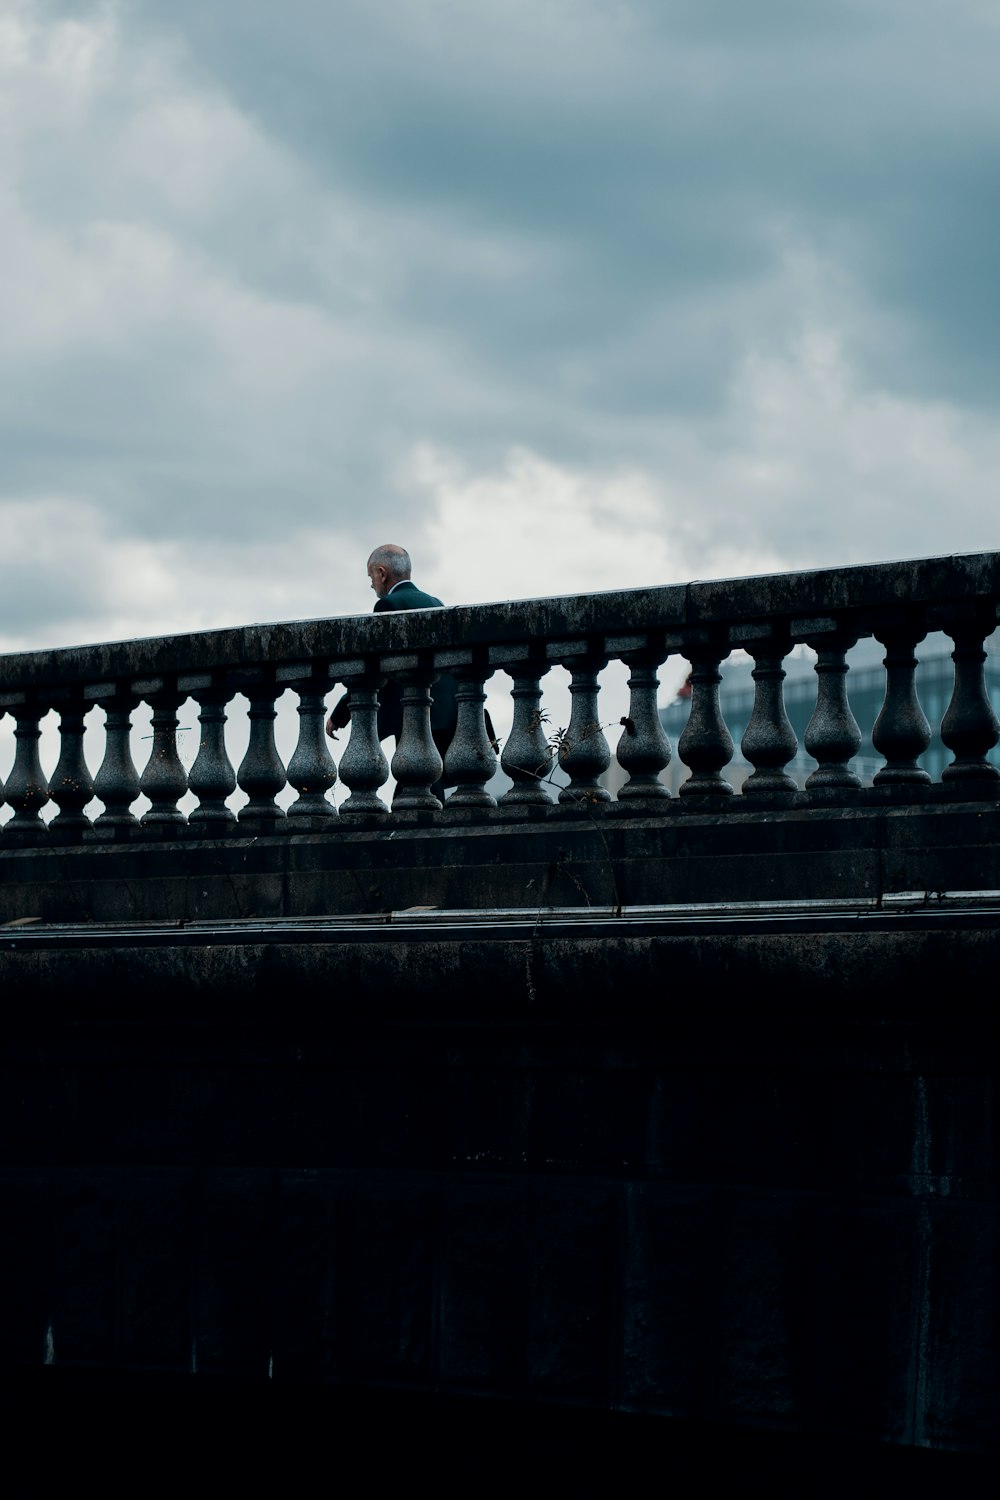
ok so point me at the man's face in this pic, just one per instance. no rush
(379, 580)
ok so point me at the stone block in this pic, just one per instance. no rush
(589, 1120)
(485, 1286)
(573, 1235)
(741, 1125)
(492, 1113)
(233, 1289)
(392, 1280)
(959, 1387)
(667, 1332)
(311, 1293)
(403, 1117)
(25, 1266)
(868, 1130)
(39, 1112)
(83, 1301)
(252, 1119)
(868, 1290)
(156, 1270)
(764, 1314)
(961, 1135)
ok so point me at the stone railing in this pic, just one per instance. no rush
(897, 603)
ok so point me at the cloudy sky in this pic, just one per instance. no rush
(563, 294)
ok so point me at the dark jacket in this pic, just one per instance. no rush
(444, 710)
(406, 595)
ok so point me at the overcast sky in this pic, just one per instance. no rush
(562, 294)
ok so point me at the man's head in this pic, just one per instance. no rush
(387, 565)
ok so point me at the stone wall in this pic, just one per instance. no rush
(718, 1167)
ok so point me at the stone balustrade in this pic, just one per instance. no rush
(828, 610)
(546, 1099)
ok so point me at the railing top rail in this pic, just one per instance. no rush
(789, 600)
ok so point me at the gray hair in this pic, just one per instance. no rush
(395, 560)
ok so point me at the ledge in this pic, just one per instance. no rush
(778, 855)
(776, 601)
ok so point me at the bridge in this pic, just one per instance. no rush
(671, 1109)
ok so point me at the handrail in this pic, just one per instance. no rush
(767, 616)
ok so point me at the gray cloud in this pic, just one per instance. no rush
(260, 258)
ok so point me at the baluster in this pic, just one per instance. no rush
(416, 764)
(644, 748)
(212, 778)
(527, 755)
(261, 774)
(72, 785)
(470, 761)
(832, 735)
(970, 728)
(27, 790)
(117, 781)
(584, 753)
(769, 741)
(705, 745)
(901, 731)
(363, 766)
(164, 779)
(311, 770)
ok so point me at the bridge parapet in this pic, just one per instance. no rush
(829, 610)
(724, 1164)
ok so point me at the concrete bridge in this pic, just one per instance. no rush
(670, 1108)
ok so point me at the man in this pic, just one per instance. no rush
(389, 575)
